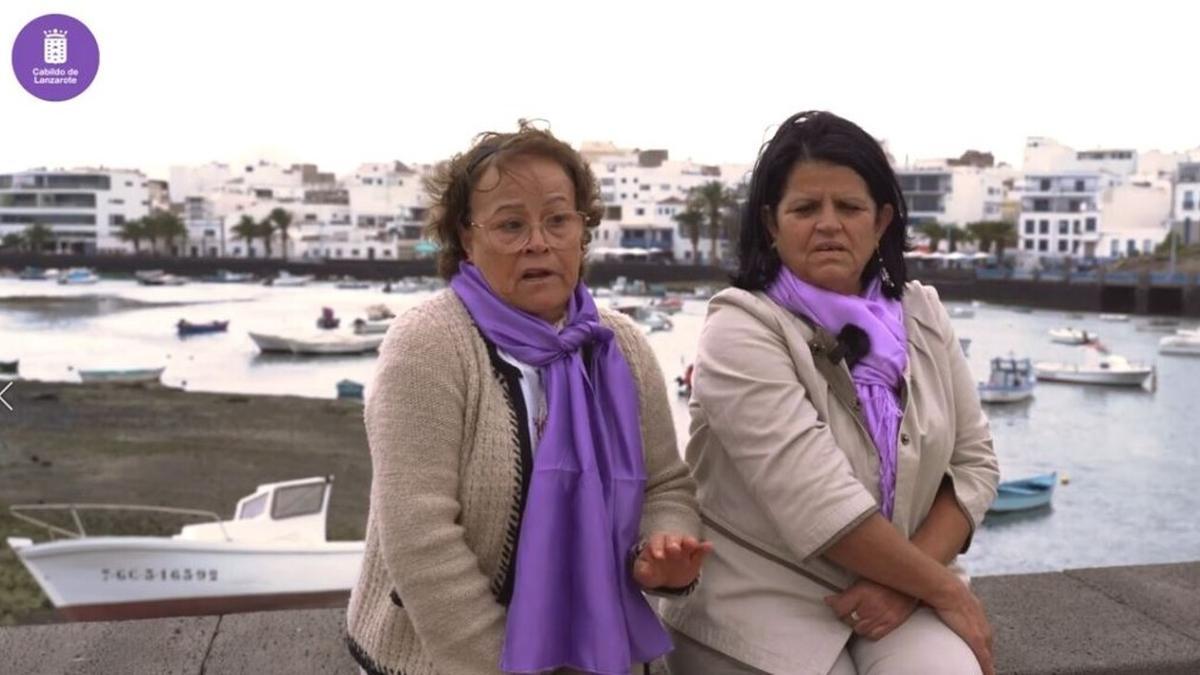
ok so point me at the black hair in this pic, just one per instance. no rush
(817, 135)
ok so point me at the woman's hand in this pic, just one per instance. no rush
(962, 612)
(872, 610)
(669, 561)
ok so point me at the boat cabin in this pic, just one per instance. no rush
(289, 511)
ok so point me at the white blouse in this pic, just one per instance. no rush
(534, 394)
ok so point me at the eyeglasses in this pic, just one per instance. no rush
(509, 234)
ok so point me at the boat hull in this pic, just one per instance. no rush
(143, 577)
(1021, 495)
(230, 604)
(998, 395)
(185, 329)
(271, 343)
(1132, 378)
(360, 344)
(128, 376)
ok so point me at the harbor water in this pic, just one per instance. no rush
(1130, 456)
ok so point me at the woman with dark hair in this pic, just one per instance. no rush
(527, 487)
(842, 457)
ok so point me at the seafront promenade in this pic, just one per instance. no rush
(1103, 621)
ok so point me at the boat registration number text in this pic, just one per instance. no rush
(157, 574)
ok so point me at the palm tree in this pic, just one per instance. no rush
(172, 228)
(691, 219)
(712, 198)
(283, 220)
(934, 232)
(37, 236)
(12, 240)
(958, 235)
(247, 230)
(162, 225)
(266, 230)
(133, 231)
(996, 232)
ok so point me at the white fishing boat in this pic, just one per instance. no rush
(379, 318)
(78, 276)
(124, 375)
(271, 344)
(1072, 336)
(335, 343)
(962, 313)
(1097, 368)
(286, 279)
(273, 554)
(1011, 380)
(1182, 343)
(1116, 318)
(317, 344)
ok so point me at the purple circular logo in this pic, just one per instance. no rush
(55, 57)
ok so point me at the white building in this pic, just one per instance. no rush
(84, 208)
(1136, 216)
(939, 191)
(1060, 213)
(375, 212)
(1185, 211)
(1046, 156)
(643, 191)
(1091, 204)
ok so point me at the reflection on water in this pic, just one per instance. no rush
(1131, 455)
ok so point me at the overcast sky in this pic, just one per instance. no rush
(338, 83)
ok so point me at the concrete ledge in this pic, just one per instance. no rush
(155, 646)
(1103, 621)
(1058, 623)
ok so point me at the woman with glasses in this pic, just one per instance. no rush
(842, 457)
(527, 486)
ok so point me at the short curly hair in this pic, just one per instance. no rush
(450, 185)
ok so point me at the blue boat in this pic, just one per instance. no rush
(1027, 493)
(186, 327)
(350, 389)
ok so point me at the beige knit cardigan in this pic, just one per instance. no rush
(446, 488)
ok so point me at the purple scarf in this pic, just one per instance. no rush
(575, 603)
(878, 375)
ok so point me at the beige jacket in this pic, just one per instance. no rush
(446, 492)
(785, 466)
